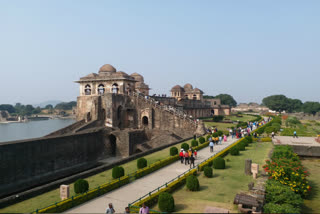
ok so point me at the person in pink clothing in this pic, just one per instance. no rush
(225, 138)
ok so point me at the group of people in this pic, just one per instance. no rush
(143, 210)
(188, 157)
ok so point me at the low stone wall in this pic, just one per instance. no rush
(307, 151)
(68, 129)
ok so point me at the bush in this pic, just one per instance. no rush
(185, 146)
(210, 163)
(207, 171)
(194, 143)
(270, 129)
(249, 139)
(117, 172)
(220, 133)
(245, 142)
(193, 183)
(207, 138)
(234, 151)
(241, 146)
(173, 151)
(166, 202)
(202, 140)
(142, 162)
(81, 186)
(216, 134)
(277, 208)
(219, 163)
(217, 118)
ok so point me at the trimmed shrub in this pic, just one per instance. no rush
(234, 151)
(185, 146)
(142, 162)
(210, 163)
(220, 133)
(270, 129)
(202, 140)
(173, 151)
(194, 143)
(166, 202)
(241, 146)
(207, 171)
(207, 138)
(217, 118)
(216, 134)
(219, 163)
(249, 139)
(193, 183)
(245, 142)
(81, 186)
(117, 172)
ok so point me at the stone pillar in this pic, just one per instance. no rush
(64, 192)
(247, 167)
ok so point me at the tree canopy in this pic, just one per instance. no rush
(227, 99)
(311, 107)
(66, 105)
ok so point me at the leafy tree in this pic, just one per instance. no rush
(294, 105)
(227, 99)
(66, 106)
(49, 106)
(7, 107)
(276, 102)
(311, 107)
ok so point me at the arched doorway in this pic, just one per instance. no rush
(145, 121)
(113, 144)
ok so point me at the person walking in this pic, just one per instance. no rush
(186, 158)
(220, 140)
(231, 133)
(144, 209)
(190, 152)
(211, 146)
(225, 138)
(127, 210)
(181, 155)
(195, 154)
(192, 161)
(110, 209)
(272, 135)
(295, 134)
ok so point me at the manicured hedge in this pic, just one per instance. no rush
(141, 163)
(194, 143)
(208, 171)
(202, 140)
(185, 146)
(81, 186)
(173, 151)
(166, 202)
(219, 163)
(234, 151)
(193, 183)
(117, 172)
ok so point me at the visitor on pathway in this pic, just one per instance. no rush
(110, 209)
(220, 140)
(231, 133)
(127, 210)
(190, 152)
(295, 134)
(195, 154)
(216, 140)
(272, 135)
(191, 161)
(211, 146)
(144, 209)
(181, 155)
(225, 138)
(186, 158)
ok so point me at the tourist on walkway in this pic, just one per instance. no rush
(225, 138)
(191, 161)
(127, 210)
(144, 209)
(190, 152)
(181, 155)
(220, 140)
(216, 140)
(231, 132)
(186, 158)
(272, 135)
(295, 134)
(211, 146)
(195, 154)
(110, 210)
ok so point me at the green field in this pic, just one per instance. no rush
(220, 126)
(312, 203)
(307, 128)
(220, 190)
(244, 117)
(53, 196)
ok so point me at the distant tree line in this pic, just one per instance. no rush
(27, 110)
(281, 103)
(226, 99)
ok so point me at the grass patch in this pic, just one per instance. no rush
(53, 196)
(220, 126)
(305, 129)
(312, 203)
(220, 190)
(244, 118)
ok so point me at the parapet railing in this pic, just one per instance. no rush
(169, 109)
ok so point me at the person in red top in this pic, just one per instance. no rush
(195, 153)
(181, 155)
(186, 158)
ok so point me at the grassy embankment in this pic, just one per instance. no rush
(220, 190)
(53, 196)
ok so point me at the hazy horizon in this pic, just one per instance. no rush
(248, 49)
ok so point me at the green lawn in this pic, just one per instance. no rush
(244, 117)
(51, 197)
(307, 128)
(220, 126)
(312, 203)
(220, 190)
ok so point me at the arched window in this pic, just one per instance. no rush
(115, 88)
(101, 89)
(194, 96)
(145, 121)
(87, 90)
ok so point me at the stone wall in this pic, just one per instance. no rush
(28, 163)
(307, 151)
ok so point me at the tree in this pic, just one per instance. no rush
(276, 102)
(294, 105)
(227, 99)
(7, 107)
(66, 106)
(49, 106)
(311, 107)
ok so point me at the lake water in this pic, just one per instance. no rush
(32, 129)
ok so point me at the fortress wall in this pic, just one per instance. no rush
(307, 151)
(28, 163)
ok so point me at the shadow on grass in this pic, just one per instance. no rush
(313, 194)
(179, 207)
(203, 187)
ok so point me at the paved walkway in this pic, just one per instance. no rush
(123, 196)
(300, 141)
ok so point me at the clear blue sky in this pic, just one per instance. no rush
(249, 49)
